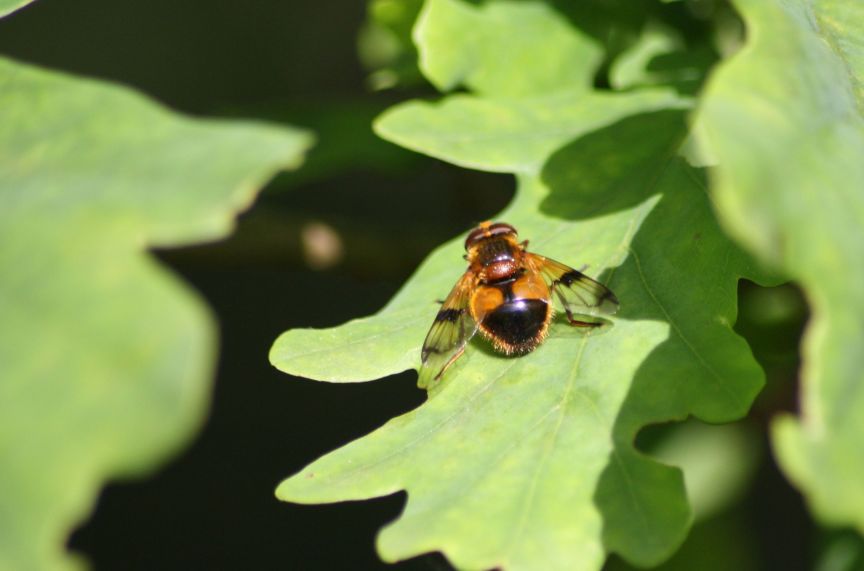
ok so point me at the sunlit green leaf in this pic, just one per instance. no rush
(528, 463)
(105, 357)
(785, 119)
(514, 135)
(503, 48)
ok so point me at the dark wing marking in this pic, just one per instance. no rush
(577, 293)
(452, 329)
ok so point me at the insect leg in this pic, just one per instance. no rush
(573, 321)
(449, 362)
(577, 323)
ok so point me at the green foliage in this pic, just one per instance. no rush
(622, 154)
(385, 46)
(9, 6)
(345, 142)
(105, 357)
(519, 447)
(785, 119)
(703, 451)
(661, 57)
(478, 46)
(513, 135)
(537, 451)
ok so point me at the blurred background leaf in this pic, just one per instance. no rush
(9, 6)
(105, 357)
(703, 451)
(660, 57)
(385, 45)
(792, 195)
(503, 48)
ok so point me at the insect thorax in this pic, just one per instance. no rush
(496, 259)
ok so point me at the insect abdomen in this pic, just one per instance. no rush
(517, 326)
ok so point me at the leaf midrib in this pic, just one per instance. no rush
(674, 325)
(510, 546)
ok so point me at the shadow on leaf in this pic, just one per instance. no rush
(679, 270)
(611, 169)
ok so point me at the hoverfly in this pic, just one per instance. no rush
(506, 293)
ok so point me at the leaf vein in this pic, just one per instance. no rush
(428, 433)
(535, 477)
(674, 325)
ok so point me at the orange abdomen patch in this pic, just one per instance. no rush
(484, 301)
(530, 286)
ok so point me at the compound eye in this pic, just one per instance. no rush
(487, 230)
(474, 236)
(500, 228)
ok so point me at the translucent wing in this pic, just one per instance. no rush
(452, 329)
(577, 293)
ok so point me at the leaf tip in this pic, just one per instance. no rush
(274, 356)
(288, 489)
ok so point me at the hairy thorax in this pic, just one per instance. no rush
(496, 260)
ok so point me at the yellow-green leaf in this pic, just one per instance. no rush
(528, 463)
(105, 356)
(9, 6)
(785, 119)
(503, 48)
